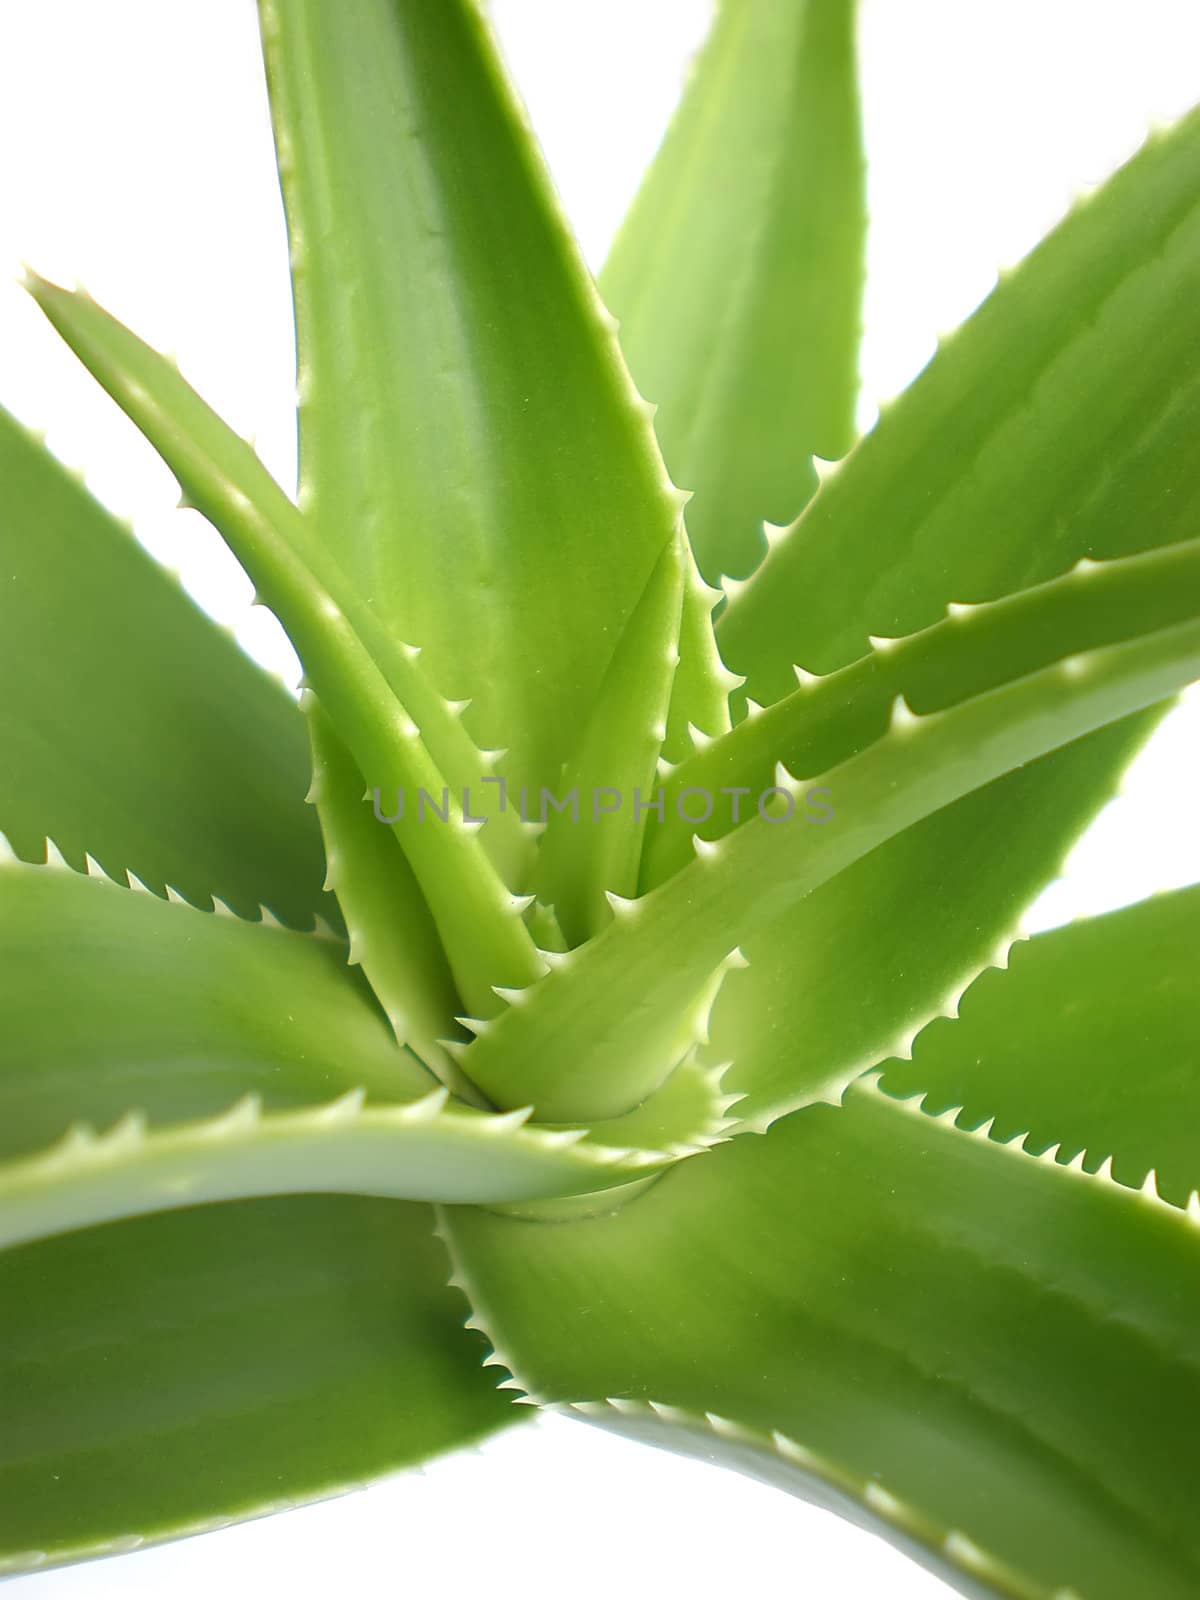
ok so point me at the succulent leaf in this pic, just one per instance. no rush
(299, 1089)
(958, 1299)
(737, 276)
(177, 1372)
(1051, 426)
(881, 1311)
(1088, 1043)
(499, 500)
(614, 768)
(625, 1038)
(485, 942)
(103, 658)
(972, 650)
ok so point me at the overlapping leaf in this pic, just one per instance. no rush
(625, 1030)
(499, 500)
(175, 1373)
(1055, 424)
(155, 1057)
(1090, 1044)
(131, 725)
(737, 275)
(989, 1358)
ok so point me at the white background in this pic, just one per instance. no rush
(135, 155)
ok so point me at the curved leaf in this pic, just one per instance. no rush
(738, 273)
(103, 658)
(500, 499)
(356, 676)
(175, 1373)
(989, 1357)
(156, 1056)
(584, 854)
(972, 650)
(391, 933)
(1057, 423)
(1089, 1043)
(625, 1030)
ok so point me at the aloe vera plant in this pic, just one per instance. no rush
(640, 820)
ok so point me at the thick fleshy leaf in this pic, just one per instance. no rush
(988, 1357)
(392, 935)
(586, 852)
(116, 1001)
(974, 649)
(499, 500)
(848, 976)
(103, 659)
(703, 683)
(156, 1056)
(1058, 423)
(175, 1373)
(625, 1031)
(738, 274)
(1089, 1043)
(371, 685)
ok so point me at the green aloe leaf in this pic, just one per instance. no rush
(499, 501)
(614, 769)
(972, 650)
(392, 935)
(205, 1059)
(627, 1037)
(117, 1001)
(738, 274)
(1055, 424)
(1071, 397)
(373, 694)
(1087, 1044)
(851, 974)
(222, 1139)
(177, 1372)
(988, 1358)
(102, 658)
